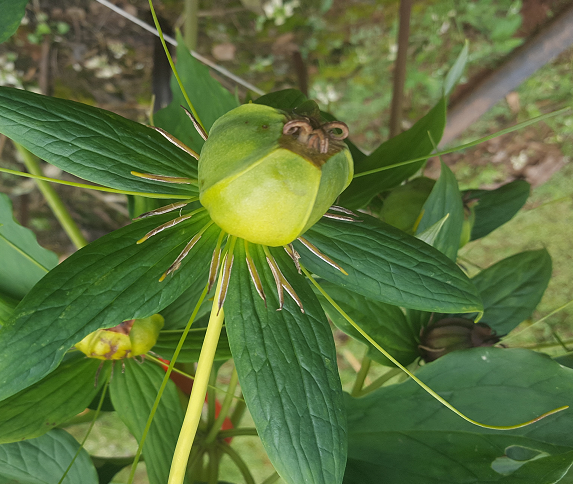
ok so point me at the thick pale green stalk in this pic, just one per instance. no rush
(361, 376)
(224, 408)
(53, 200)
(193, 415)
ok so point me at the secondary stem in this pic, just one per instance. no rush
(193, 415)
(53, 200)
(213, 431)
(361, 375)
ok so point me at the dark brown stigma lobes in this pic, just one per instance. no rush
(316, 136)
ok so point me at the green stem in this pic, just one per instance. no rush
(391, 373)
(238, 412)
(361, 375)
(467, 145)
(97, 188)
(173, 69)
(213, 470)
(195, 459)
(191, 26)
(414, 377)
(240, 432)
(547, 345)
(197, 398)
(239, 462)
(54, 201)
(274, 477)
(213, 431)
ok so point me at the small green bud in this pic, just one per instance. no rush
(131, 338)
(468, 224)
(450, 334)
(267, 176)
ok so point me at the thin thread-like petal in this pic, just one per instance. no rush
(165, 178)
(198, 127)
(166, 209)
(215, 261)
(177, 263)
(343, 218)
(281, 281)
(176, 142)
(294, 255)
(336, 208)
(254, 274)
(320, 255)
(226, 275)
(166, 225)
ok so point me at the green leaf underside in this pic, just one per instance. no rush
(167, 342)
(94, 144)
(210, 99)
(106, 282)
(44, 461)
(133, 393)
(60, 396)
(512, 288)
(286, 361)
(400, 434)
(384, 323)
(23, 262)
(387, 265)
(444, 199)
(407, 145)
(496, 207)
(12, 13)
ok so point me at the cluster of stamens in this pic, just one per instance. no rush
(309, 132)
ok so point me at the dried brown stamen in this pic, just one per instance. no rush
(254, 274)
(166, 209)
(320, 255)
(176, 142)
(196, 123)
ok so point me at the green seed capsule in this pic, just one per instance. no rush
(131, 338)
(267, 177)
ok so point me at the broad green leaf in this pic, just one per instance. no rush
(512, 288)
(133, 394)
(388, 265)
(7, 307)
(168, 341)
(444, 200)
(44, 461)
(210, 99)
(23, 262)
(12, 13)
(94, 144)
(496, 207)
(384, 323)
(177, 314)
(60, 396)
(455, 73)
(286, 363)
(286, 99)
(101, 285)
(400, 434)
(407, 145)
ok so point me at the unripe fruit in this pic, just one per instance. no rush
(267, 177)
(131, 338)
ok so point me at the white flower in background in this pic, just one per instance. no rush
(325, 93)
(9, 76)
(103, 69)
(279, 11)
